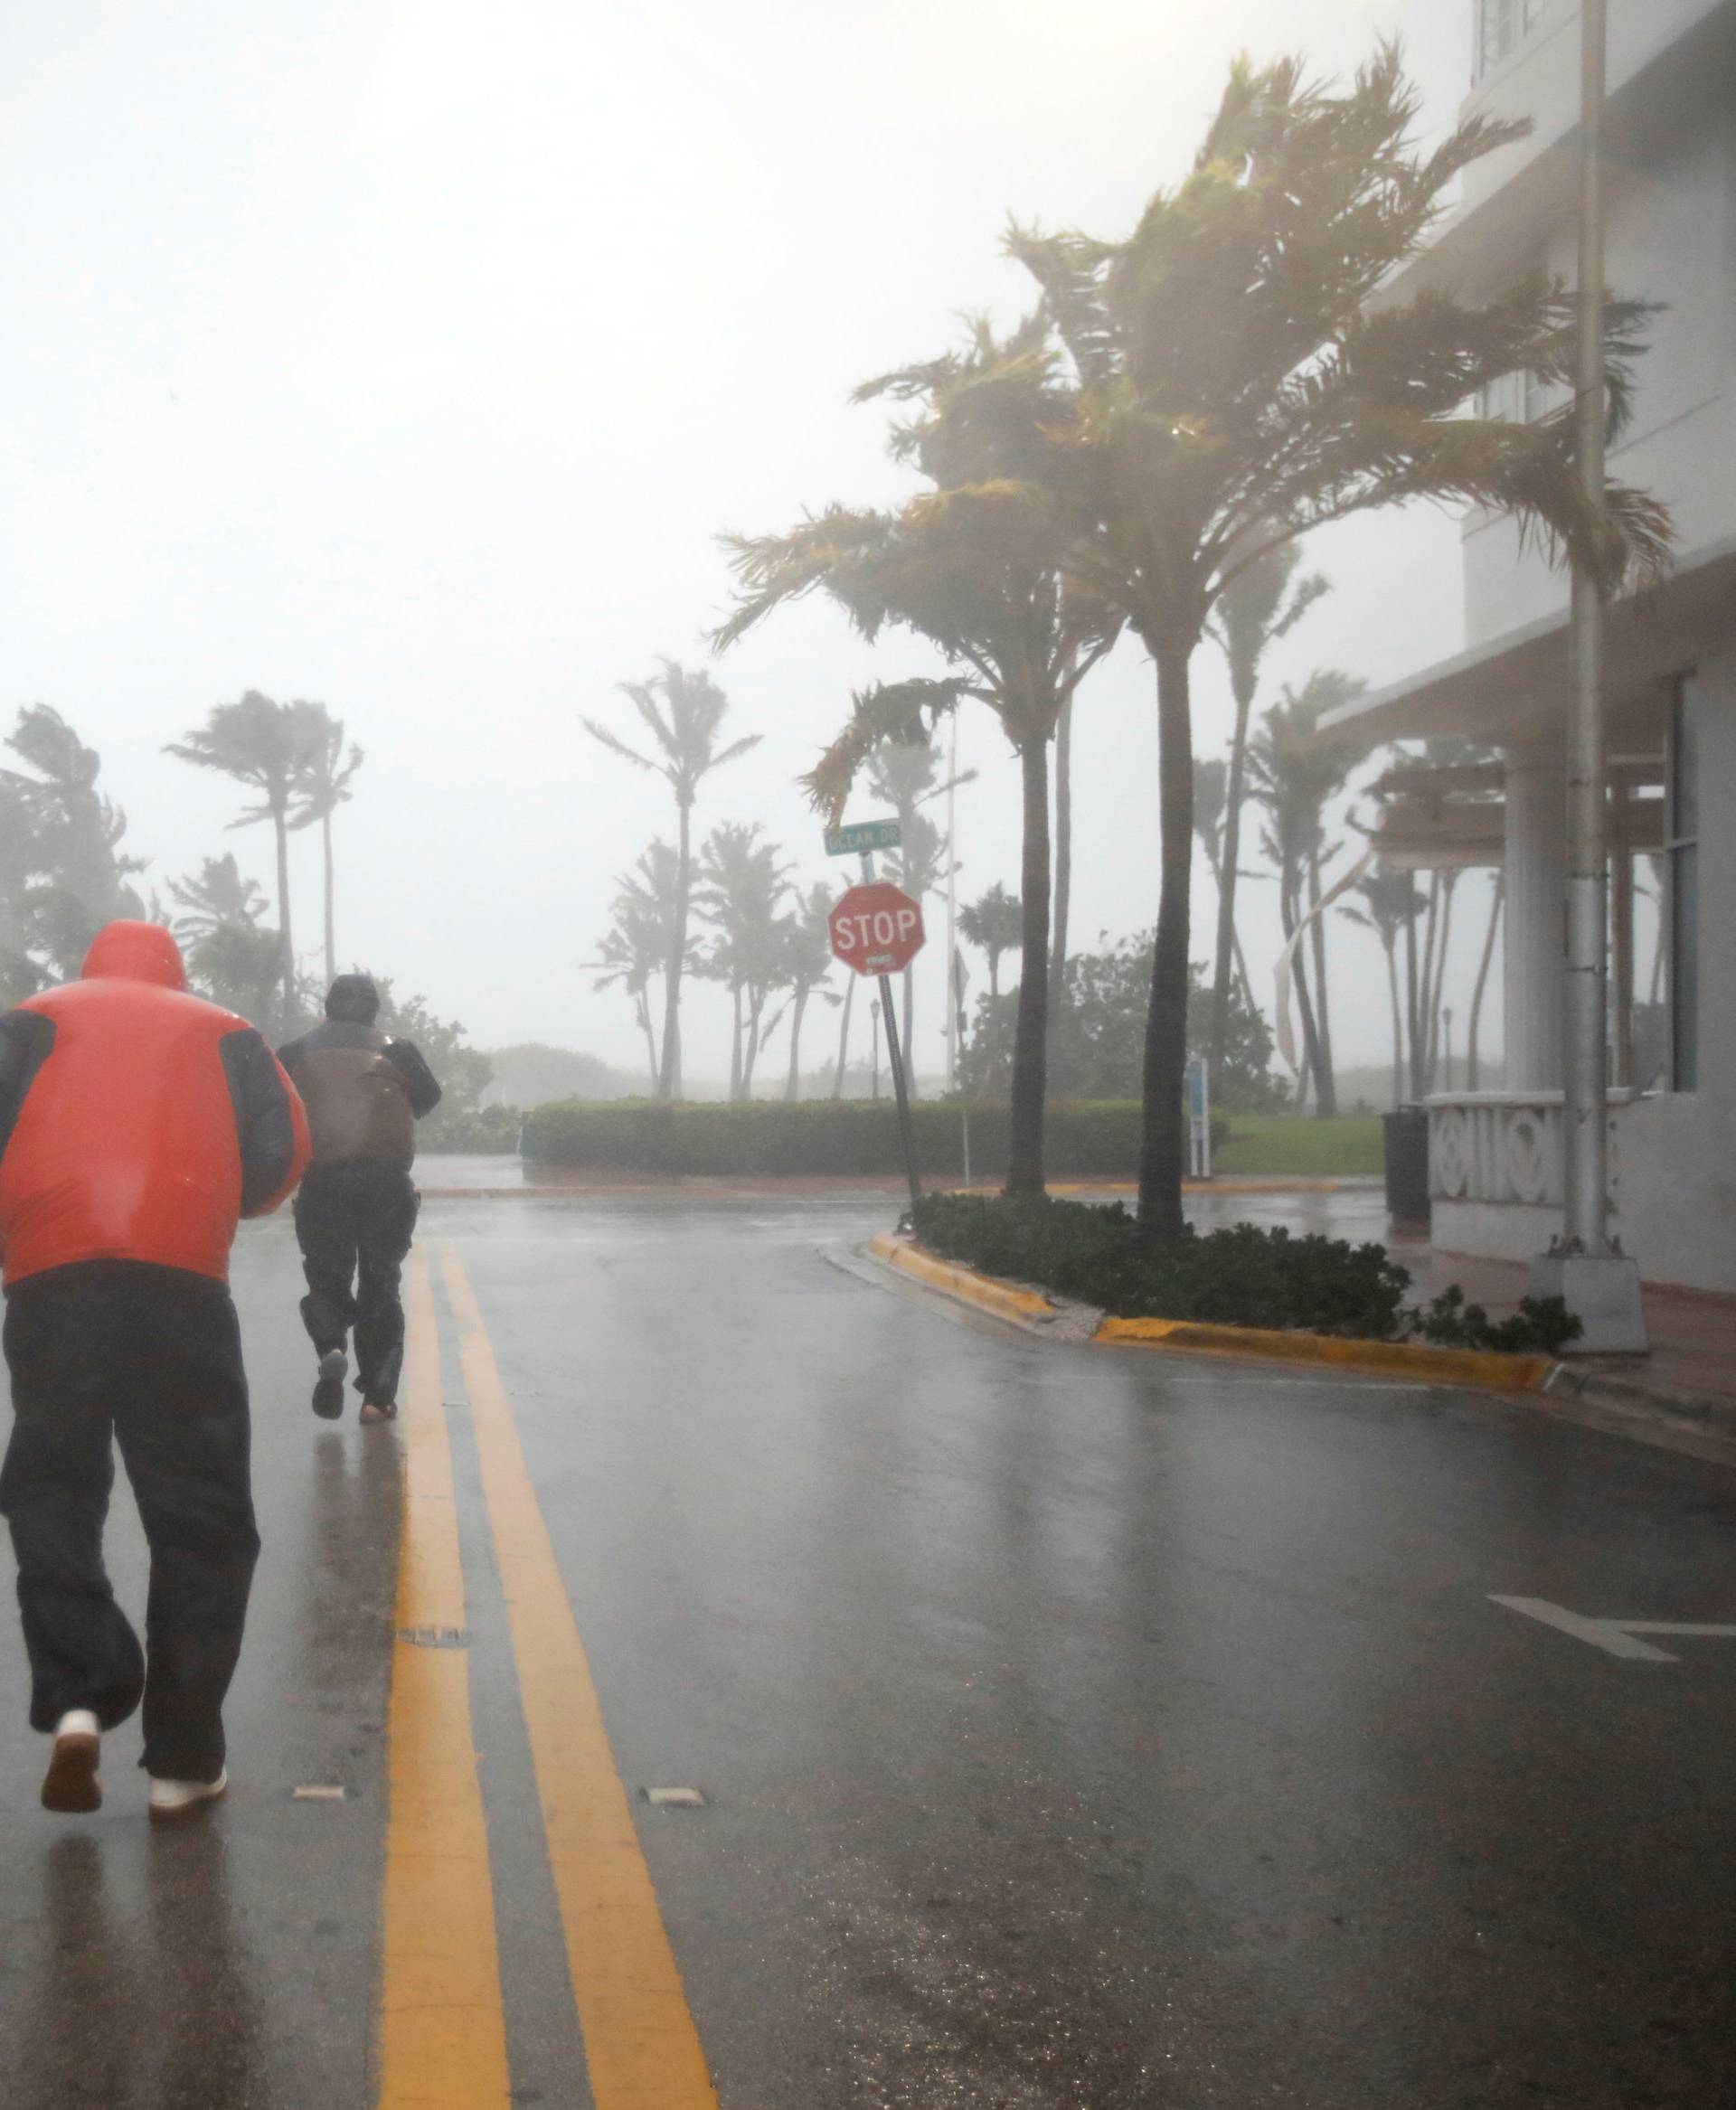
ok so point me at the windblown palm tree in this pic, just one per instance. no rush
(264, 745)
(994, 924)
(742, 888)
(907, 776)
(1211, 824)
(638, 943)
(1236, 390)
(1296, 776)
(971, 565)
(1256, 609)
(76, 876)
(218, 897)
(1392, 903)
(324, 785)
(808, 962)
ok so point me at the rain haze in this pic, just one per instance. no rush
(411, 358)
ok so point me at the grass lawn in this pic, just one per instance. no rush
(1284, 1145)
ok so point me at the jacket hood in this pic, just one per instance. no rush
(352, 1000)
(135, 952)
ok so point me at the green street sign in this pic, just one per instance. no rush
(861, 837)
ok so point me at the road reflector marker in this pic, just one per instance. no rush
(316, 1793)
(642, 2048)
(675, 1798)
(1615, 1637)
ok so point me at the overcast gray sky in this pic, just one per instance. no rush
(410, 357)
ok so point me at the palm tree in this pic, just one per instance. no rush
(219, 898)
(636, 947)
(1256, 608)
(741, 887)
(1295, 774)
(1211, 824)
(262, 744)
(327, 772)
(906, 775)
(77, 875)
(808, 962)
(684, 712)
(994, 924)
(1391, 904)
(1231, 373)
(970, 565)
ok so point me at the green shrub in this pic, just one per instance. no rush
(1245, 1276)
(820, 1138)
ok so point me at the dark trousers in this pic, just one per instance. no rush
(356, 1222)
(150, 1357)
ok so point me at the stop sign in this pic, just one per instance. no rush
(876, 929)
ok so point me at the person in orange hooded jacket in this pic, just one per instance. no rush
(137, 1123)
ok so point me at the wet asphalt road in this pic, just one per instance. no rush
(1078, 1727)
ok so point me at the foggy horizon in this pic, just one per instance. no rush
(414, 367)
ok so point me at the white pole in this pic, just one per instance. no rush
(952, 906)
(1599, 1286)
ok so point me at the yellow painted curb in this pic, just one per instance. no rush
(1450, 1366)
(1399, 1359)
(1022, 1306)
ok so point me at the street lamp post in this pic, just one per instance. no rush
(1599, 1285)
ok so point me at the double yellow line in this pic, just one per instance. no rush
(442, 2039)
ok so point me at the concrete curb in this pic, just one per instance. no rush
(1030, 1309)
(1692, 1411)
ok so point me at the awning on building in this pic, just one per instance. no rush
(1515, 689)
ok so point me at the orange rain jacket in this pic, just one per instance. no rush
(137, 1122)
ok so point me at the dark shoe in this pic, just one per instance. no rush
(72, 1786)
(379, 1410)
(328, 1393)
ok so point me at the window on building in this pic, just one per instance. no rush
(1503, 25)
(1682, 855)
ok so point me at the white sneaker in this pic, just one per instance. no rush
(72, 1785)
(174, 1798)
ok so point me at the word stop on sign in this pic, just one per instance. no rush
(876, 930)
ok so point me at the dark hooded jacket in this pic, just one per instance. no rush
(365, 1090)
(137, 1121)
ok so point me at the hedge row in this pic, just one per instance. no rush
(1243, 1276)
(823, 1137)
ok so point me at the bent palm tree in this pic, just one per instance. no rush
(1392, 903)
(1256, 609)
(684, 712)
(742, 888)
(326, 773)
(637, 944)
(1235, 390)
(807, 940)
(971, 566)
(264, 745)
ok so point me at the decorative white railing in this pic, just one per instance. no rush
(1503, 1147)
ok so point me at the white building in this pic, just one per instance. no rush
(1496, 1157)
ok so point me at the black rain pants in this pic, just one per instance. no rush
(355, 1221)
(151, 1358)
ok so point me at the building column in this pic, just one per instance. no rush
(1536, 917)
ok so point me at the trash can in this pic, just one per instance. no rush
(1407, 1165)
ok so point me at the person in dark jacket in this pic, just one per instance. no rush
(136, 1124)
(356, 1211)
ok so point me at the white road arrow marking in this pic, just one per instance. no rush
(1615, 1637)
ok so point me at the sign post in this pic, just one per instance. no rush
(1199, 1117)
(877, 930)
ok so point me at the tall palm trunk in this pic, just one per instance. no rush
(1064, 848)
(793, 1088)
(844, 1032)
(1229, 946)
(669, 1077)
(735, 1044)
(1390, 946)
(331, 923)
(1473, 1057)
(286, 945)
(1326, 1083)
(1030, 1038)
(1163, 1146)
(1289, 894)
(910, 1030)
(650, 1038)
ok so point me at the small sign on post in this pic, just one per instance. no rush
(863, 838)
(877, 930)
(1199, 1119)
